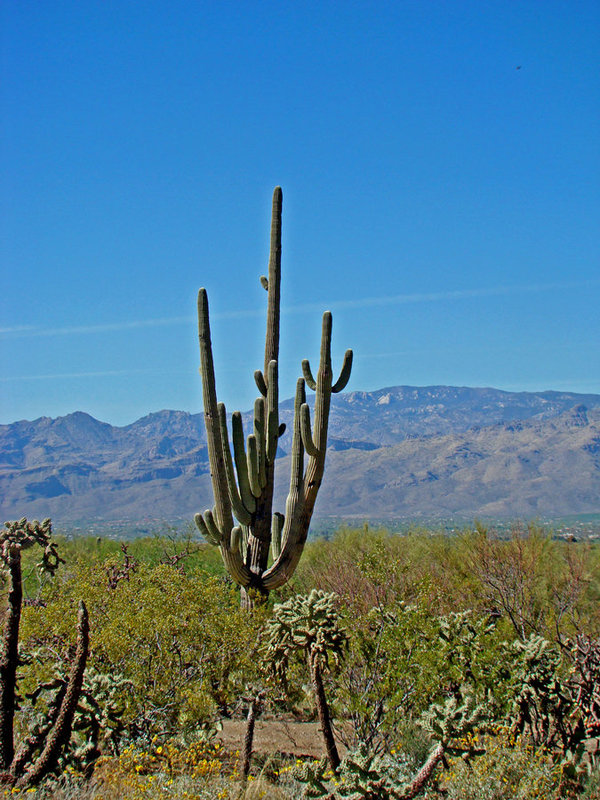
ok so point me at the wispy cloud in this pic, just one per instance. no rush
(339, 305)
(100, 374)
(17, 329)
(458, 294)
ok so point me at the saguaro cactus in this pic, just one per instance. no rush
(245, 541)
(38, 753)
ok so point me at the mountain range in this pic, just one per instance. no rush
(402, 451)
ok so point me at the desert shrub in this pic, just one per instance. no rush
(509, 769)
(178, 638)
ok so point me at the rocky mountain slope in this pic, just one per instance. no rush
(400, 451)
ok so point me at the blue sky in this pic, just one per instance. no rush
(441, 202)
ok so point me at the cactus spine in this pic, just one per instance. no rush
(243, 483)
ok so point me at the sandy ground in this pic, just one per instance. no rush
(294, 738)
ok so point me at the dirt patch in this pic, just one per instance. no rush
(278, 736)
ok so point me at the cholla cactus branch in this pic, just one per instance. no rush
(54, 733)
(60, 734)
(9, 653)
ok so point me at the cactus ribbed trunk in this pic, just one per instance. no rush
(9, 657)
(245, 547)
(54, 732)
(59, 736)
(253, 714)
(417, 785)
(323, 711)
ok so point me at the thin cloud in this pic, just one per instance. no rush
(17, 329)
(101, 374)
(339, 305)
(458, 294)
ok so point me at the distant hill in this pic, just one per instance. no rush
(399, 451)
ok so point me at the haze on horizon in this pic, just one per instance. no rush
(440, 201)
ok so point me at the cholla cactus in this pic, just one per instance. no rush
(98, 724)
(38, 754)
(364, 775)
(245, 546)
(556, 699)
(309, 625)
(541, 701)
(27, 534)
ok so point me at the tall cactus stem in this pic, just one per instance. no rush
(242, 513)
(250, 496)
(60, 734)
(276, 529)
(274, 282)
(253, 468)
(224, 517)
(272, 433)
(241, 462)
(9, 655)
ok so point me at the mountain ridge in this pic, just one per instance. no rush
(384, 449)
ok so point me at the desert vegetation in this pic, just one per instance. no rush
(431, 665)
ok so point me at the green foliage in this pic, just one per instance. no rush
(363, 775)
(179, 639)
(416, 633)
(508, 769)
(308, 625)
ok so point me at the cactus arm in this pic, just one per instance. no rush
(237, 539)
(276, 528)
(260, 432)
(224, 518)
(297, 523)
(61, 733)
(242, 513)
(316, 464)
(259, 380)
(307, 439)
(9, 655)
(205, 530)
(231, 558)
(253, 470)
(292, 537)
(308, 376)
(241, 462)
(342, 381)
(272, 433)
(417, 784)
(209, 521)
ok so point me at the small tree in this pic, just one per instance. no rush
(309, 625)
